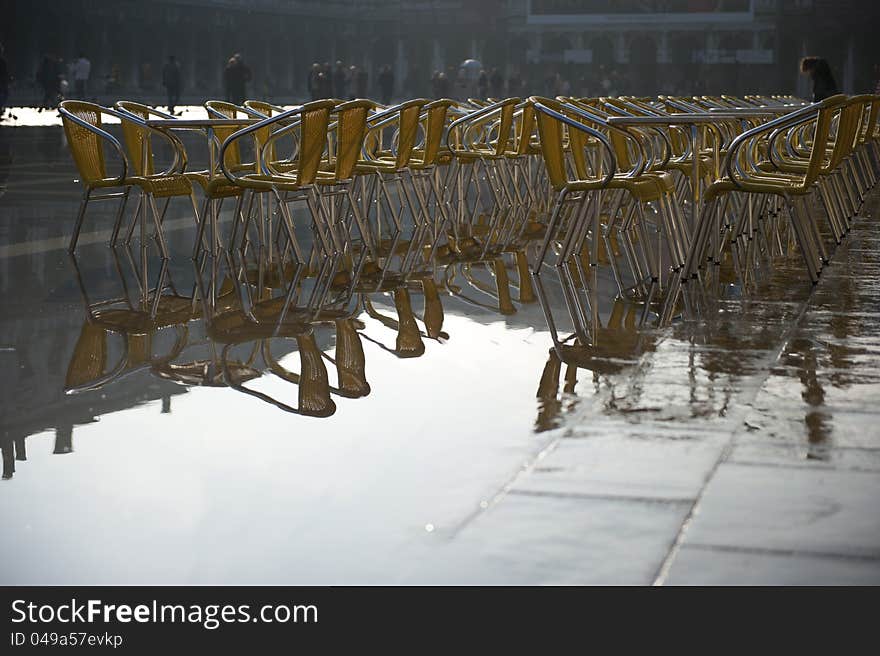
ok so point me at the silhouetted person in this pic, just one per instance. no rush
(435, 85)
(63, 439)
(443, 86)
(6, 446)
(82, 70)
(819, 71)
(386, 84)
(339, 80)
(496, 83)
(361, 81)
(48, 77)
(171, 81)
(483, 85)
(352, 82)
(237, 75)
(314, 82)
(326, 80)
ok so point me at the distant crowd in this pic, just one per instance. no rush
(58, 79)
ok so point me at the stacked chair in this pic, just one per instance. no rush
(337, 202)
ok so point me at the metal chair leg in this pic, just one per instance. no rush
(79, 220)
(119, 214)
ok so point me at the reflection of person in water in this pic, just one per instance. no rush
(13, 449)
(63, 439)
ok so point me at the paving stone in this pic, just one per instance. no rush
(717, 567)
(797, 509)
(527, 540)
(624, 466)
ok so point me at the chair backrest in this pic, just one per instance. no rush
(350, 360)
(89, 358)
(85, 146)
(263, 109)
(408, 130)
(434, 124)
(351, 126)
(314, 120)
(872, 106)
(551, 132)
(267, 109)
(222, 109)
(821, 135)
(849, 115)
(314, 387)
(505, 123)
(137, 138)
(524, 128)
(620, 141)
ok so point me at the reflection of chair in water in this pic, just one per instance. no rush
(137, 326)
(616, 346)
(348, 359)
(86, 138)
(409, 342)
(500, 292)
(257, 317)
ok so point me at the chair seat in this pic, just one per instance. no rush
(381, 165)
(644, 188)
(260, 182)
(763, 186)
(214, 187)
(161, 186)
(479, 153)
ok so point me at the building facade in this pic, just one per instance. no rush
(595, 46)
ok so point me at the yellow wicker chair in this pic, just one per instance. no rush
(86, 138)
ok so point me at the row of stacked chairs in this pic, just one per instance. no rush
(391, 192)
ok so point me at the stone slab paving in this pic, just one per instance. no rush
(743, 448)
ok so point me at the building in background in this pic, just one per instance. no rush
(592, 46)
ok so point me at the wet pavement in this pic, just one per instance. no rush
(737, 445)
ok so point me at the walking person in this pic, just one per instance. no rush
(819, 71)
(314, 81)
(352, 82)
(443, 86)
(48, 79)
(326, 80)
(496, 83)
(82, 69)
(171, 81)
(483, 85)
(237, 75)
(339, 81)
(386, 84)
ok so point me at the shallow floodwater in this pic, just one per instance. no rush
(481, 459)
